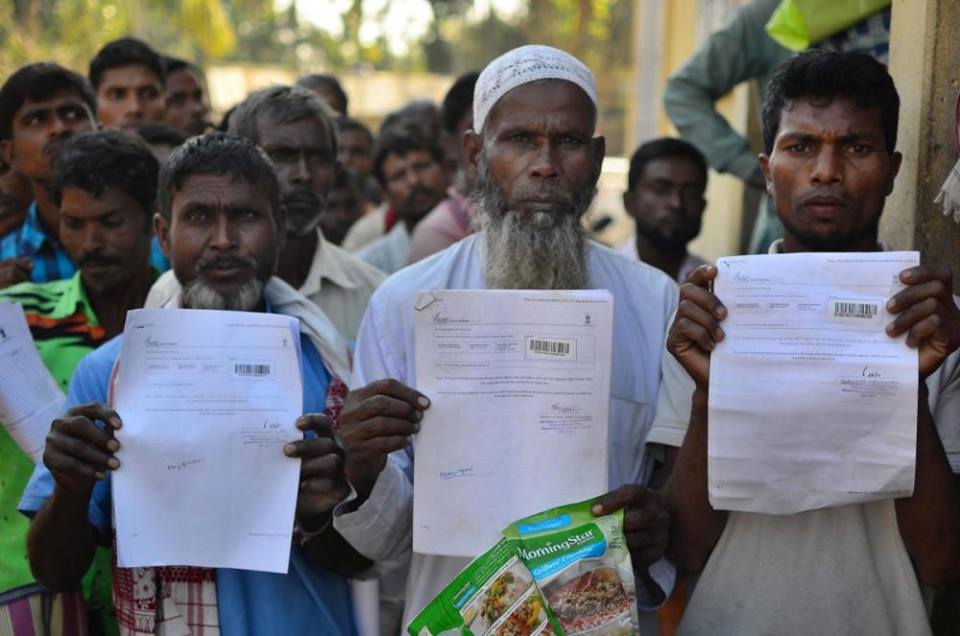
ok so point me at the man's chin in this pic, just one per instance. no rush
(245, 295)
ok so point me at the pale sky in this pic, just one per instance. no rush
(406, 20)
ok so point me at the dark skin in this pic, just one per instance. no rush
(355, 150)
(129, 96)
(108, 237)
(303, 154)
(667, 206)
(187, 110)
(212, 216)
(40, 128)
(413, 184)
(929, 521)
(539, 141)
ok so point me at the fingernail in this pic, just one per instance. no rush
(113, 445)
(288, 449)
(423, 402)
(890, 329)
(416, 426)
(115, 421)
(721, 311)
(418, 415)
(410, 440)
(113, 463)
(597, 509)
(907, 275)
(891, 305)
(100, 476)
(720, 333)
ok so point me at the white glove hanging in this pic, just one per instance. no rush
(950, 194)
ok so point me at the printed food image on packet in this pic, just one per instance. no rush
(582, 565)
(493, 595)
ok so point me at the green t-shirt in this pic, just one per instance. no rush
(64, 329)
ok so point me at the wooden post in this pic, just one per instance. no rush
(925, 64)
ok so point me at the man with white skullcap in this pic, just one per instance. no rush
(535, 161)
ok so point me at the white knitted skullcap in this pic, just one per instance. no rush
(524, 65)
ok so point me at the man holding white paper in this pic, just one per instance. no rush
(536, 161)
(829, 135)
(220, 223)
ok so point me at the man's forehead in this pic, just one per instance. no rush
(549, 100)
(308, 131)
(833, 116)
(79, 203)
(218, 190)
(129, 74)
(60, 98)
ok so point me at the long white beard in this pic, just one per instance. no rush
(197, 295)
(547, 250)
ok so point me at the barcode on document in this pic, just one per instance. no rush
(867, 311)
(550, 347)
(251, 370)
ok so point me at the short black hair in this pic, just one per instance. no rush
(94, 162)
(401, 140)
(160, 134)
(125, 52)
(663, 148)
(216, 154)
(458, 101)
(826, 75)
(37, 82)
(281, 105)
(344, 123)
(174, 64)
(328, 82)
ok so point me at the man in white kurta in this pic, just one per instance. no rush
(379, 523)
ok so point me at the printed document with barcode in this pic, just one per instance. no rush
(519, 383)
(811, 403)
(208, 399)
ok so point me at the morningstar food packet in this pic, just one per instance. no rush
(582, 566)
(493, 595)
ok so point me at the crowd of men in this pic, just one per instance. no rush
(117, 192)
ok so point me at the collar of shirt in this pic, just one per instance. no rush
(73, 299)
(325, 266)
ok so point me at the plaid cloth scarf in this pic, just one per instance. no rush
(182, 601)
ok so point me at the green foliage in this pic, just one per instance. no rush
(258, 31)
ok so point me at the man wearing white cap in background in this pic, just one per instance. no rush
(536, 162)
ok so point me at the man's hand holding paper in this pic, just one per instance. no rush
(812, 387)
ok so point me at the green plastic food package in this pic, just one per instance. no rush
(494, 595)
(797, 24)
(557, 573)
(583, 569)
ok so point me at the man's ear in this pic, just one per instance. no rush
(599, 152)
(162, 229)
(472, 147)
(9, 155)
(896, 159)
(765, 169)
(629, 199)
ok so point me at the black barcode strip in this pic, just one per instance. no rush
(854, 310)
(252, 369)
(549, 346)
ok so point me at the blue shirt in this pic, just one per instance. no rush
(308, 599)
(50, 260)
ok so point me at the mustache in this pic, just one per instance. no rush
(226, 262)
(52, 147)
(302, 199)
(97, 259)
